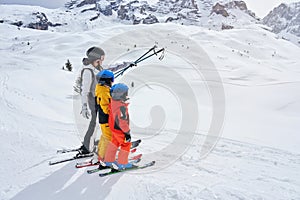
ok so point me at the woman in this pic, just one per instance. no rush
(92, 65)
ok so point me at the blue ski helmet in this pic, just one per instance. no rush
(119, 91)
(105, 74)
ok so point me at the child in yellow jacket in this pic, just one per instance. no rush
(105, 79)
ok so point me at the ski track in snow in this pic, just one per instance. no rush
(232, 164)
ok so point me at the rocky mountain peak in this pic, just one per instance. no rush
(218, 8)
(204, 13)
(285, 18)
(236, 5)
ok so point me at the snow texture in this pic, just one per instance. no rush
(257, 156)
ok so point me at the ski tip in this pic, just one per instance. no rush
(133, 150)
(92, 171)
(139, 156)
(102, 175)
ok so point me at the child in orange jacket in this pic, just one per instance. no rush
(119, 125)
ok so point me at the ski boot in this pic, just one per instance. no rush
(121, 167)
(83, 151)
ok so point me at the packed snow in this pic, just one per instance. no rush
(256, 154)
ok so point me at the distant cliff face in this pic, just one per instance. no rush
(179, 11)
(284, 18)
(205, 13)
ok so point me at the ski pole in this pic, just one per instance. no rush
(140, 59)
(155, 53)
(151, 49)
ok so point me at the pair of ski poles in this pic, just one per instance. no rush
(142, 58)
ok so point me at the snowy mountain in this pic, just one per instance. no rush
(219, 114)
(285, 21)
(207, 13)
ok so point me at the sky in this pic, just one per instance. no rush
(260, 7)
(44, 3)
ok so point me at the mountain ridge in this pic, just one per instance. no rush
(81, 15)
(284, 20)
(206, 13)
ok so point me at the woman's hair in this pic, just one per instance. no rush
(93, 53)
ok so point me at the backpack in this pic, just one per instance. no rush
(78, 82)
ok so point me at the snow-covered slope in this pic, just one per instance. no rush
(257, 156)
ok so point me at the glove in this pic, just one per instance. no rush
(85, 112)
(127, 137)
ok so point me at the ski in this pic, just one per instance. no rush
(91, 171)
(133, 150)
(90, 163)
(78, 156)
(134, 144)
(86, 164)
(114, 171)
(67, 150)
(133, 161)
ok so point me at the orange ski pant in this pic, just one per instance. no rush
(118, 140)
